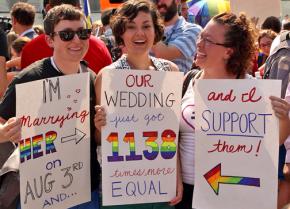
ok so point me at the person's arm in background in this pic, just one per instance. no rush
(16, 62)
(182, 46)
(3, 58)
(167, 52)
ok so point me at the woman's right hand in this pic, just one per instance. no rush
(100, 117)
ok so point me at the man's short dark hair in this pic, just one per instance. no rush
(24, 13)
(286, 26)
(53, 3)
(106, 16)
(272, 23)
(58, 13)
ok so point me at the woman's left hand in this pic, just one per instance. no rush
(281, 107)
(179, 192)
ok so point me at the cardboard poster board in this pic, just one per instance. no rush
(55, 150)
(139, 142)
(237, 141)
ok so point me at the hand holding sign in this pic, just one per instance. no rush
(236, 128)
(100, 117)
(281, 107)
(10, 130)
(139, 142)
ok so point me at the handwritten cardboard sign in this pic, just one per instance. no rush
(139, 142)
(55, 146)
(237, 144)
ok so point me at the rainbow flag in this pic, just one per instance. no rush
(203, 10)
(87, 12)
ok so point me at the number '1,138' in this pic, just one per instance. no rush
(167, 148)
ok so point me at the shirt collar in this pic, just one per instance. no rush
(177, 25)
(57, 69)
(26, 32)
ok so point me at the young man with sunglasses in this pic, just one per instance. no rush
(97, 56)
(65, 32)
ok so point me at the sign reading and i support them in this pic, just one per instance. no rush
(139, 142)
(55, 145)
(237, 141)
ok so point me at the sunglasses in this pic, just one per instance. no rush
(68, 35)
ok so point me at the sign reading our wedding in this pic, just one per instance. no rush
(55, 145)
(139, 142)
(237, 141)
